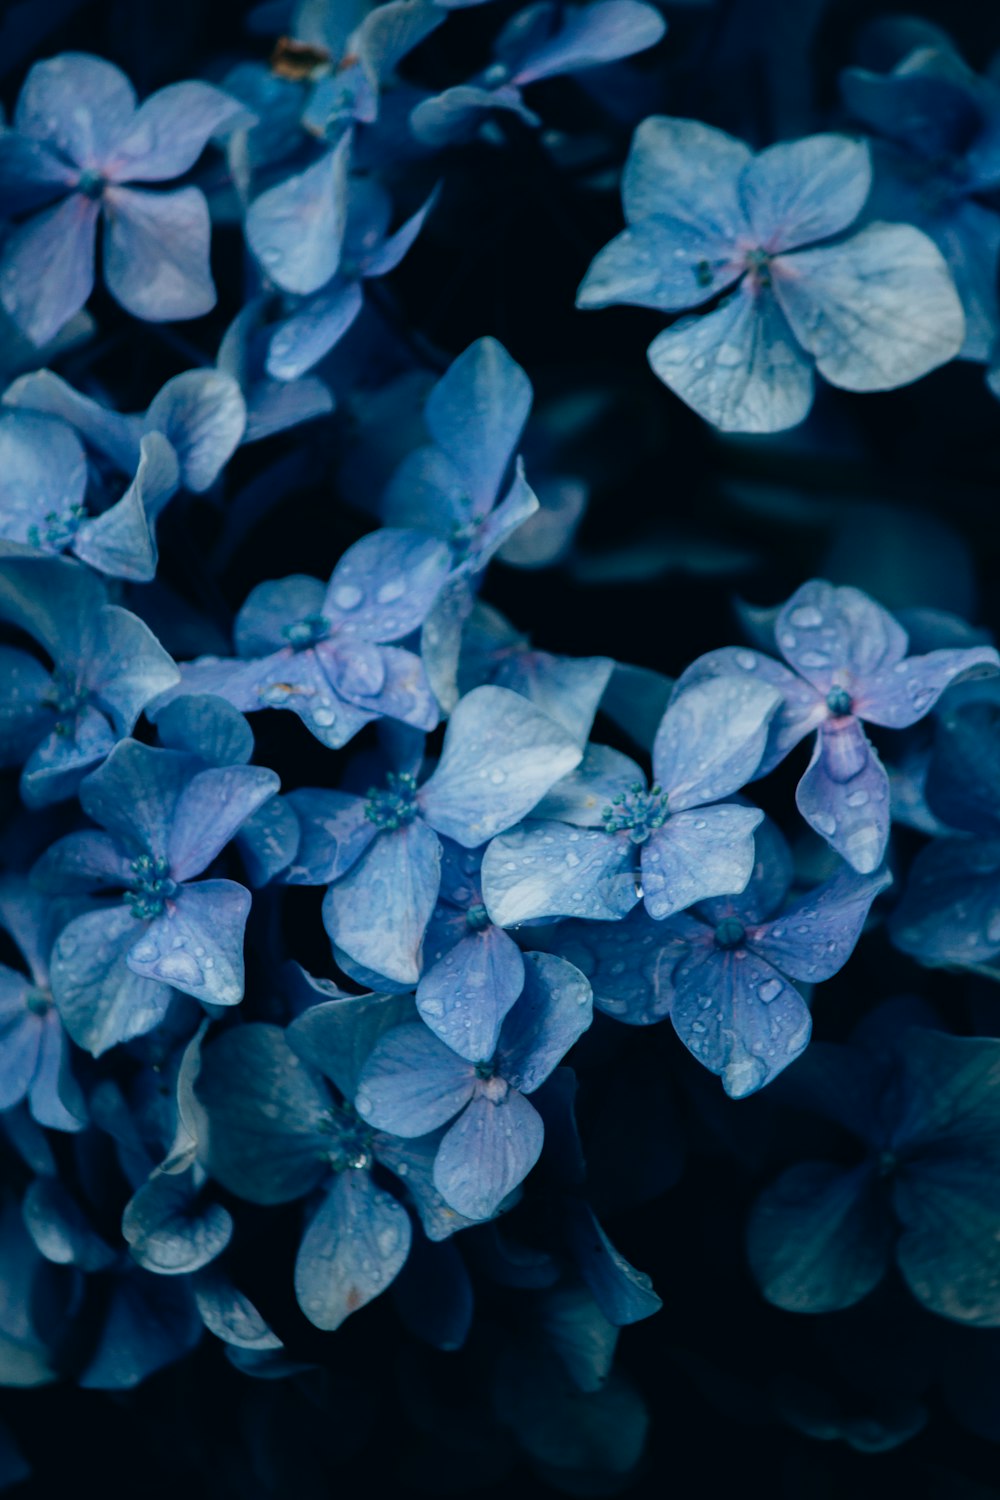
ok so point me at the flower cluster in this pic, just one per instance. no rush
(361, 1002)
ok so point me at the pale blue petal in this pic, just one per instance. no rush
(83, 861)
(404, 692)
(466, 995)
(900, 696)
(120, 541)
(384, 586)
(227, 1313)
(210, 811)
(197, 944)
(337, 1036)
(378, 912)
(25, 716)
(802, 707)
(44, 473)
(110, 432)
(412, 1083)
(844, 795)
(476, 414)
(806, 190)
(820, 1237)
(57, 764)
(47, 267)
(170, 1230)
(585, 795)
(77, 103)
(488, 1152)
(170, 131)
(203, 415)
(354, 1247)
(101, 1001)
(687, 170)
(335, 832)
(815, 936)
(569, 689)
(588, 36)
(268, 841)
(134, 794)
(302, 340)
(664, 263)
(738, 366)
(877, 311)
(55, 1098)
(623, 1294)
(839, 635)
(697, 855)
(271, 608)
(500, 756)
(125, 666)
(457, 114)
(711, 739)
(547, 869)
(205, 726)
(296, 229)
(554, 1010)
(156, 253)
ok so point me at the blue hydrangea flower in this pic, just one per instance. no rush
(325, 652)
(601, 840)
(78, 139)
(271, 405)
(543, 41)
(381, 854)
(948, 915)
(165, 818)
(709, 219)
(937, 166)
(60, 722)
(34, 1055)
(412, 1084)
(847, 665)
(924, 1106)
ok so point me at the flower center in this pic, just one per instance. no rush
(38, 1001)
(150, 887)
(58, 528)
(758, 265)
(730, 933)
(65, 697)
(636, 812)
(477, 918)
(352, 1145)
(91, 183)
(306, 632)
(395, 804)
(838, 701)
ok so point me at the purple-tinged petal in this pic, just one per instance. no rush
(547, 869)
(629, 963)
(500, 756)
(569, 689)
(286, 679)
(768, 886)
(378, 912)
(806, 190)
(300, 341)
(120, 541)
(271, 608)
(413, 1163)
(518, 506)
(584, 796)
(44, 473)
(56, 766)
(20, 1038)
(203, 415)
(738, 366)
(876, 311)
(738, 1017)
(25, 715)
(412, 1083)
(170, 131)
(110, 432)
(101, 1001)
(296, 230)
(685, 169)
(554, 1010)
(802, 707)
(711, 739)
(387, 256)
(354, 1246)
(156, 253)
(77, 103)
(210, 811)
(899, 696)
(476, 414)
(84, 861)
(205, 726)
(47, 267)
(663, 263)
(697, 855)
(844, 795)
(55, 1098)
(815, 936)
(197, 944)
(820, 1238)
(427, 491)
(466, 995)
(384, 586)
(337, 1036)
(335, 831)
(457, 114)
(31, 174)
(488, 1152)
(135, 793)
(837, 635)
(54, 600)
(404, 694)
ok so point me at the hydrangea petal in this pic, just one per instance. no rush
(801, 709)
(83, 861)
(378, 912)
(101, 1001)
(554, 1010)
(170, 1231)
(807, 190)
(466, 995)
(127, 667)
(296, 230)
(203, 415)
(134, 794)
(549, 869)
(569, 689)
(825, 631)
(815, 936)
(412, 1083)
(20, 1038)
(738, 1017)
(629, 963)
(476, 414)
(210, 810)
(337, 1036)
(354, 1247)
(685, 169)
(302, 340)
(120, 541)
(383, 587)
(500, 755)
(156, 253)
(47, 269)
(25, 716)
(271, 607)
(738, 366)
(664, 263)
(55, 1098)
(900, 696)
(587, 792)
(45, 472)
(950, 909)
(488, 1152)
(623, 1294)
(170, 131)
(844, 795)
(77, 103)
(711, 739)
(877, 311)
(197, 944)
